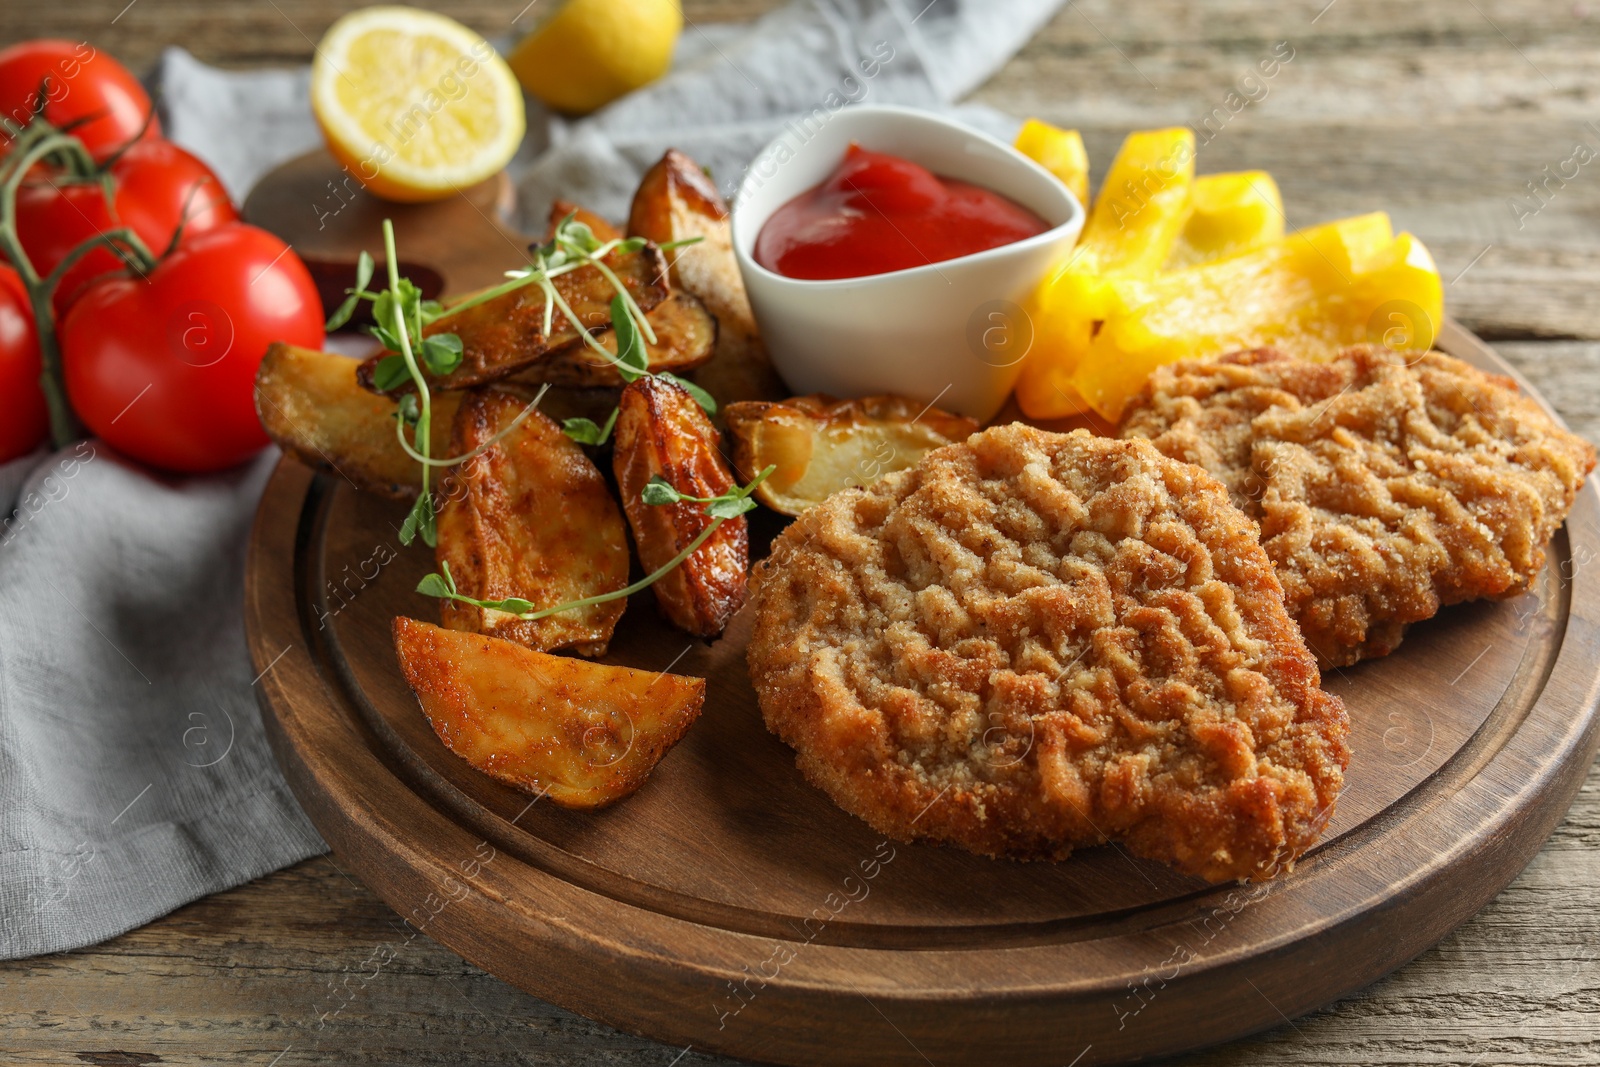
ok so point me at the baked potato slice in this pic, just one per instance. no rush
(312, 406)
(506, 335)
(661, 431)
(676, 201)
(685, 337)
(531, 517)
(584, 734)
(820, 445)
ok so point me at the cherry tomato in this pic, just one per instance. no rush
(24, 419)
(163, 368)
(156, 184)
(79, 83)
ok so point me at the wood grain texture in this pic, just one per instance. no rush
(241, 977)
(641, 915)
(1427, 109)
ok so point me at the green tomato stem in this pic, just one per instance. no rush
(32, 145)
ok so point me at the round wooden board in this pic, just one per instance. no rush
(730, 906)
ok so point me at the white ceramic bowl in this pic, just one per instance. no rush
(953, 331)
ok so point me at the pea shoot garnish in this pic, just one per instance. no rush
(658, 491)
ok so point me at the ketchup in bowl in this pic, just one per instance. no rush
(878, 213)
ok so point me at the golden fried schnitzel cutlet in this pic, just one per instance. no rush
(1032, 642)
(1386, 484)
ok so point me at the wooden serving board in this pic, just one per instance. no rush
(730, 906)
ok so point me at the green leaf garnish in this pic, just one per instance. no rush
(659, 491)
(511, 605)
(579, 234)
(420, 520)
(433, 584)
(585, 432)
(390, 373)
(386, 337)
(409, 411)
(342, 313)
(730, 507)
(441, 353)
(632, 361)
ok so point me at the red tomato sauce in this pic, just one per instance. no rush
(879, 213)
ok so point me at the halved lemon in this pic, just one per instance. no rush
(414, 104)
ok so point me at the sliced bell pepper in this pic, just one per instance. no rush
(1228, 214)
(1142, 205)
(1136, 219)
(1310, 294)
(1058, 151)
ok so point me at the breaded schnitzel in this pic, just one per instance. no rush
(1386, 485)
(1032, 642)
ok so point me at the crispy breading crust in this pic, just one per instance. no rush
(1031, 642)
(1386, 484)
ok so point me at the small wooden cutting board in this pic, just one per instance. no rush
(447, 246)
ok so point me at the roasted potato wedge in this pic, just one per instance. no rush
(662, 431)
(583, 734)
(310, 403)
(686, 335)
(821, 445)
(506, 334)
(531, 517)
(677, 201)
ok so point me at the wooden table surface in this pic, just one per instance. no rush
(1440, 111)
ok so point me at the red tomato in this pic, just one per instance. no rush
(164, 368)
(78, 83)
(24, 419)
(154, 181)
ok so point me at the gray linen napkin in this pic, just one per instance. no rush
(134, 774)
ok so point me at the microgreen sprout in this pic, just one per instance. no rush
(396, 308)
(585, 432)
(658, 491)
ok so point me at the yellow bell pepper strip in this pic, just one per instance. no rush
(1058, 151)
(1063, 316)
(1310, 294)
(1142, 205)
(1228, 214)
(1136, 219)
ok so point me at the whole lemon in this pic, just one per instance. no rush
(590, 52)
